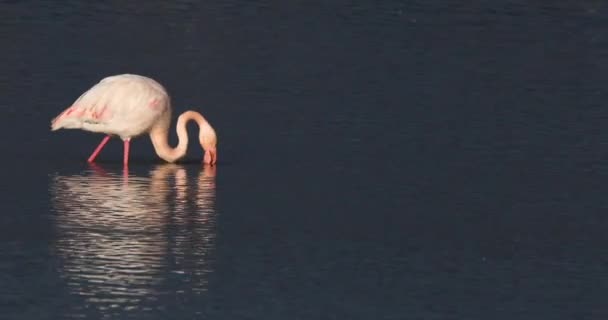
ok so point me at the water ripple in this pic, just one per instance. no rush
(121, 237)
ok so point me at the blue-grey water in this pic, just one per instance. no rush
(377, 160)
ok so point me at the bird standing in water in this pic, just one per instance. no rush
(128, 106)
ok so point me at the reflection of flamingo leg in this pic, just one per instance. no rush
(98, 170)
(101, 145)
(126, 152)
(125, 175)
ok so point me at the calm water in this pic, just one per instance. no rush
(403, 160)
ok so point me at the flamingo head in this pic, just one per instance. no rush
(210, 155)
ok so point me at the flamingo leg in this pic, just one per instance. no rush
(126, 152)
(98, 149)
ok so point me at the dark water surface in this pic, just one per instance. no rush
(393, 160)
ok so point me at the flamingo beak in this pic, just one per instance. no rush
(210, 156)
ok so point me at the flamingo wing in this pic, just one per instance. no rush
(92, 107)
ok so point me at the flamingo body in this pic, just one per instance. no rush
(128, 106)
(123, 105)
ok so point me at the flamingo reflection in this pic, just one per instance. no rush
(121, 236)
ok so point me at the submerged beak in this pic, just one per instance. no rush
(210, 156)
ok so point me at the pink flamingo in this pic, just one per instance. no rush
(129, 105)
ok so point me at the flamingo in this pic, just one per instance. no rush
(129, 105)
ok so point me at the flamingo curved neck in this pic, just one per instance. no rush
(160, 136)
